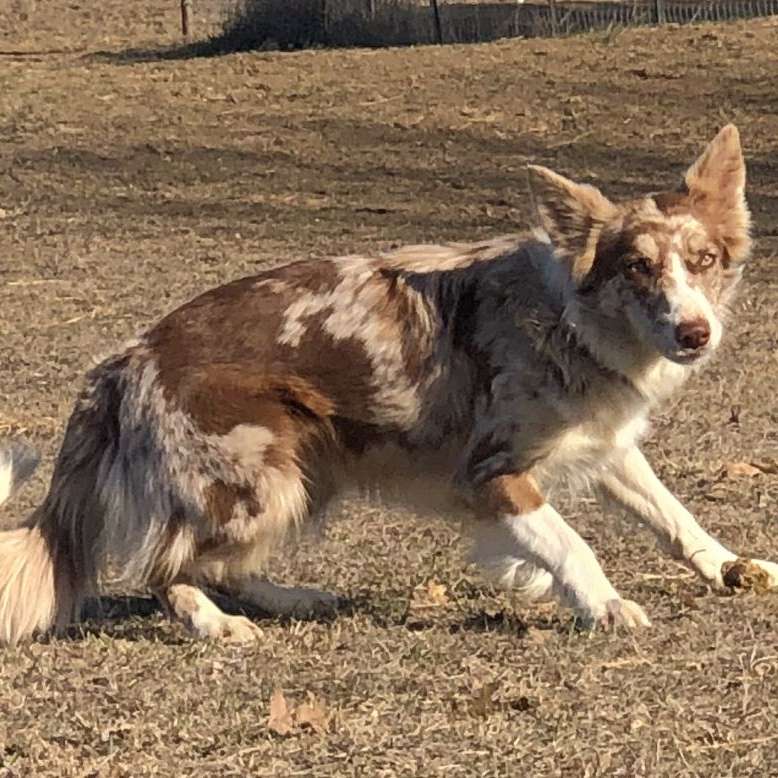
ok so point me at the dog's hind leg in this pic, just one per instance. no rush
(236, 572)
(189, 605)
(633, 484)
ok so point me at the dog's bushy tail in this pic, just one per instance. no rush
(34, 594)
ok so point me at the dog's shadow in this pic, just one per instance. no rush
(141, 618)
(136, 618)
(125, 617)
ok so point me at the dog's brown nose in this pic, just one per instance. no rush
(693, 334)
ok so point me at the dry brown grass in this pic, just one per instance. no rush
(127, 186)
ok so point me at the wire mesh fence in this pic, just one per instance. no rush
(463, 22)
(387, 22)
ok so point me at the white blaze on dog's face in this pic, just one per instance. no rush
(667, 263)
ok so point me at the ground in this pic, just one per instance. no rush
(130, 182)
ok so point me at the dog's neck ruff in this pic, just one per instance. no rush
(652, 376)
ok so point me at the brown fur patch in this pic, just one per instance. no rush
(673, 203)
(511, 495)
(220, 397)
(219, 379)
(223, 360)
(400, 312)
(221, 500)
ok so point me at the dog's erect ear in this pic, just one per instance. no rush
(716, 184)
(571, 214)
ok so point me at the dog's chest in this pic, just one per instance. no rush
(587, 447)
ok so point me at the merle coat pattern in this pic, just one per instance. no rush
(466, 378)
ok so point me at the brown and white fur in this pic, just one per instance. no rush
(469, 377)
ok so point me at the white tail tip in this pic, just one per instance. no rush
(17, 463)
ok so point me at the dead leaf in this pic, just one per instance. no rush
(742, 470)
(745, 574)
(284, 718)
(750, 469)
(431, 594)
(437, 593)
(767, 466)
(281, 720)
(313, 714)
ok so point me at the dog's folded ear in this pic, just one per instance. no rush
(571, 214)
(716, 185)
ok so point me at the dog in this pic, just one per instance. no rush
(465, 378)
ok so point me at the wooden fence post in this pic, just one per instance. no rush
(436, 16)
(552, 9)
(660, 12)
(186, 18)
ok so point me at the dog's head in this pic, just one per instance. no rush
(666, 264)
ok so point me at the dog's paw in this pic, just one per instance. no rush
(624, 613)
(750, 575)
(615, 613)
(232, 629)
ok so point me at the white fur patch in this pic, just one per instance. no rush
(551, 549)
(494, 554)
(247, 442)
(17, 463)
(6, 478)
(688, 303)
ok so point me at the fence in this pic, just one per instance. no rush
(487, 21)
(447, 21)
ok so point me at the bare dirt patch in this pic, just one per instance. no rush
(129, 184)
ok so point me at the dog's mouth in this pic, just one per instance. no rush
(688, 356)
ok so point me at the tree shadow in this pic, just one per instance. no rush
(149, 54)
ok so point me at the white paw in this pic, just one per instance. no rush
(750, 574)
(624, 613)
(231, 629)
(615, 613)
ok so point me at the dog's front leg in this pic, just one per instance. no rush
(518, 528)
(632, 483)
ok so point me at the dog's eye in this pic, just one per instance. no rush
(706, 260)
(640, 265)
